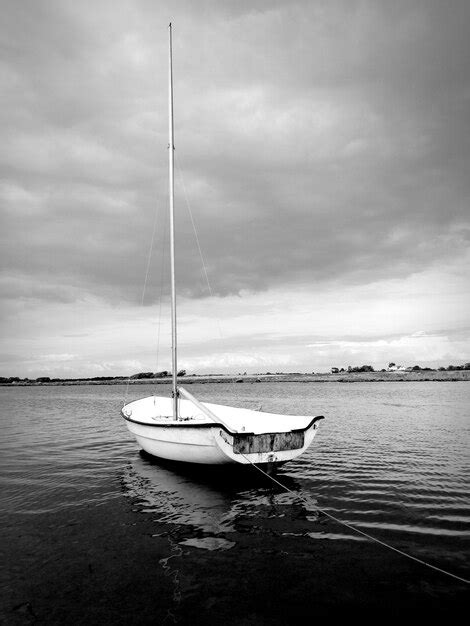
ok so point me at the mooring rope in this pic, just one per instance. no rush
(294, 493)
(356, 530)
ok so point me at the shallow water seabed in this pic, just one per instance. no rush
(96, 531)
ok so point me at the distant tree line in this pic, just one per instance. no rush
(48, 379)
(392, 366)
(166, 374)
(163, 374)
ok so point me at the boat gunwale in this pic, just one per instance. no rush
(184, 423)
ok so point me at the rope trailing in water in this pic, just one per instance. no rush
(332, 517)
(356, 530)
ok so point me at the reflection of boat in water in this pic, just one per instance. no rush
(191, 431)
(192, 500)
(177, 497)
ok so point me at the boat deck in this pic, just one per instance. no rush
(157, 411)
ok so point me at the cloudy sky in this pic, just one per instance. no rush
(322, 147)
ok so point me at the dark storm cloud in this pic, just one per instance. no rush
(318, 141)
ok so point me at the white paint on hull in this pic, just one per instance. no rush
(197, 439)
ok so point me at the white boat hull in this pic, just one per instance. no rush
(195, 439)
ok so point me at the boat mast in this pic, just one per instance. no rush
(171, 148)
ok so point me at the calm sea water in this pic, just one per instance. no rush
(392, 459)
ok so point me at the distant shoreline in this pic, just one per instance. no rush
(343, 377)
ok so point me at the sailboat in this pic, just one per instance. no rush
(182, 428)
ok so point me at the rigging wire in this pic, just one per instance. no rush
(162, 272)
(144, 287)
(211, 293)
(357, 530)
(180, 172)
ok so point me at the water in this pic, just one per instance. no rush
(88, 518)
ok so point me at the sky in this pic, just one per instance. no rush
(322, 153)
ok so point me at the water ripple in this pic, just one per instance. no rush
(390, 458)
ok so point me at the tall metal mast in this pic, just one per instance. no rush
(171, 148)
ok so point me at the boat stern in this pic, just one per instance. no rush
(272, 448)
